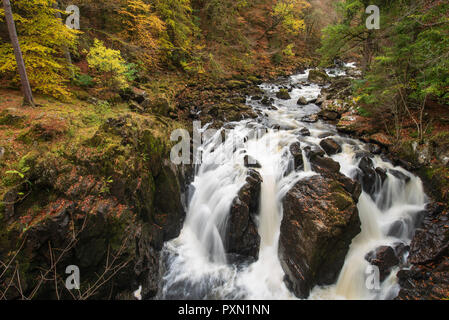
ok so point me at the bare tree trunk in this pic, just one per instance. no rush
(28, 95)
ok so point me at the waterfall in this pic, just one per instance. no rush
(195, 264)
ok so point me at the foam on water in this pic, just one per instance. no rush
(195, 264)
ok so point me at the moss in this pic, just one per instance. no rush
(9, 119)
(235, 84)
(342, 200)
(28, 161)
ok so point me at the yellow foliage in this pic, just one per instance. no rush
(143, 28)
(108, 65)
(43, 39)
(290, 13)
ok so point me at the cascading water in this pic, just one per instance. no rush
(195, 264)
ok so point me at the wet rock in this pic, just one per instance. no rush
(362, 153)
(367, 175)
(382, 173)
(431, 240)
(302, 101)
(169, 212)
(266, 101)
(318, 76)
(319, 222)
(401, 176)
(242, 237)
(250, 162)
(319, 101)
(428, 275)
(384, 258)
(310, 118)
(325, 135)
(256, 98)
(295, 150)
(315, 151)
(283, 94)
(304, 132)
(320, 163)
(324, 164)
(328, 115)
(330, 146)
(374, 148)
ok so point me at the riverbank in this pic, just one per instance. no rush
(429, 255)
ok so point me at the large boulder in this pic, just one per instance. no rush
(283, 94)
(296, 152)
(330, 146)
(427, 278)
(319, 222)
(242, 239)
(339, 106)
(367, 175)
(385, 258)
(328, 115)
(318, 76)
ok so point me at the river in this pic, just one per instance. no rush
(195, 264)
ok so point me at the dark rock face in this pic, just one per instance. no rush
(100, 200)
(242, 237)
(431, 241)
(368, 175)
(305, 132)
(428, 277)
(374, 148)
(310, 118)
(330, 146)
(401, 176)
(319, 162)
(250, 162)
(385, 259)
(295, 150)
(320, 220)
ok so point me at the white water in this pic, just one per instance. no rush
(195, 262)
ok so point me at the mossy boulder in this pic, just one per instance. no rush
(283, 94)
(319, 222)
(318, 76)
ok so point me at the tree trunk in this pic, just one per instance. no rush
(28, 96)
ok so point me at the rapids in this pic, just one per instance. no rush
(195, 265)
